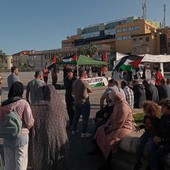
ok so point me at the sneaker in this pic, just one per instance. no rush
(85, 135)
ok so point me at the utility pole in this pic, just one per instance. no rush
(144, 10)
(164, 16)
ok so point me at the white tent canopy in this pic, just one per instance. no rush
(156, 58)
(148, 58)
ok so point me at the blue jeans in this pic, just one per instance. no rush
(155, 153)
(141, 144)
(84, 110)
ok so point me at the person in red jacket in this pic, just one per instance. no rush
(158, 77)
(45, 74)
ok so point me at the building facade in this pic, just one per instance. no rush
(132, 35)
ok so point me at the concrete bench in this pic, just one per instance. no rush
(125, 157)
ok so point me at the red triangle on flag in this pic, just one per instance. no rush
(135, 63)
(74, 57)
(54, 59)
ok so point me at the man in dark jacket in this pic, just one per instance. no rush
(139, 94)
(68, 82)
(163, 90)
(151, 92)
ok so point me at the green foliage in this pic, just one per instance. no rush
(138, 117)
(90, 50)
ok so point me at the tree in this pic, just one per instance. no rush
(90, 50)
(2, 60)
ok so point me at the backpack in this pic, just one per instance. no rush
(11, 125)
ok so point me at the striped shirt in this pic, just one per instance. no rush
(129, 96)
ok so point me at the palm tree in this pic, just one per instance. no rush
(90, 51)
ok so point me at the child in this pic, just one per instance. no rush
(150, 124)
(159, 146)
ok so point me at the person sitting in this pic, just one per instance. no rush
(128, 93)
(150, 124)
(103, 115)
(159, 145)
(117, 127)
(163, 90)
(112, 85)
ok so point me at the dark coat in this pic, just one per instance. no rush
(152, 93)
(139, 95)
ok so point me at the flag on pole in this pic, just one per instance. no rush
(54, 60)
(104, 57)
(53, 64)
(70, 58)
(128, 63)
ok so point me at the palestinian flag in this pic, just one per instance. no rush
(128, 63)
(70, 58)
(54, 59)
(53, 64)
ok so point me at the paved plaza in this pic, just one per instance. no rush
(78, 160)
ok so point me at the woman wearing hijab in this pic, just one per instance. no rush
(118, 126)
(16, 150)
(49, 139)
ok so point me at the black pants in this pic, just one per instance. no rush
(45, 79)
(54, 80)
(70, 109)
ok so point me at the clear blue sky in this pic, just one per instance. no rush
(43, 24)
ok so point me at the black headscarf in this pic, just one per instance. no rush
(15, 93)
(16, 90)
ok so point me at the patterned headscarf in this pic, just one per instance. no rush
(49, 139)
(116, 97)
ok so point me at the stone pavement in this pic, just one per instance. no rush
(78, 160)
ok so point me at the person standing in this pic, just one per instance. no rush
(104, 71)
(13, 77)
(158, 77)
(68, 83)
(16, 150)
(49, 141)
(54, 76)
(32, 87)
(45, 74)
(81, 90)
(0, 88)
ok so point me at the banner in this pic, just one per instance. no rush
(97, 81)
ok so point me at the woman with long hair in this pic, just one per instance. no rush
(49, 141)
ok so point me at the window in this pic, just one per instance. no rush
(134, 39)
(147, 39)
(141, 40)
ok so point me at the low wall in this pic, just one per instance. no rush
(125, 157)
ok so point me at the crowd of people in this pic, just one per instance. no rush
(44, 119)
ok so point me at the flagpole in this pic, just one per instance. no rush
(77, 67)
